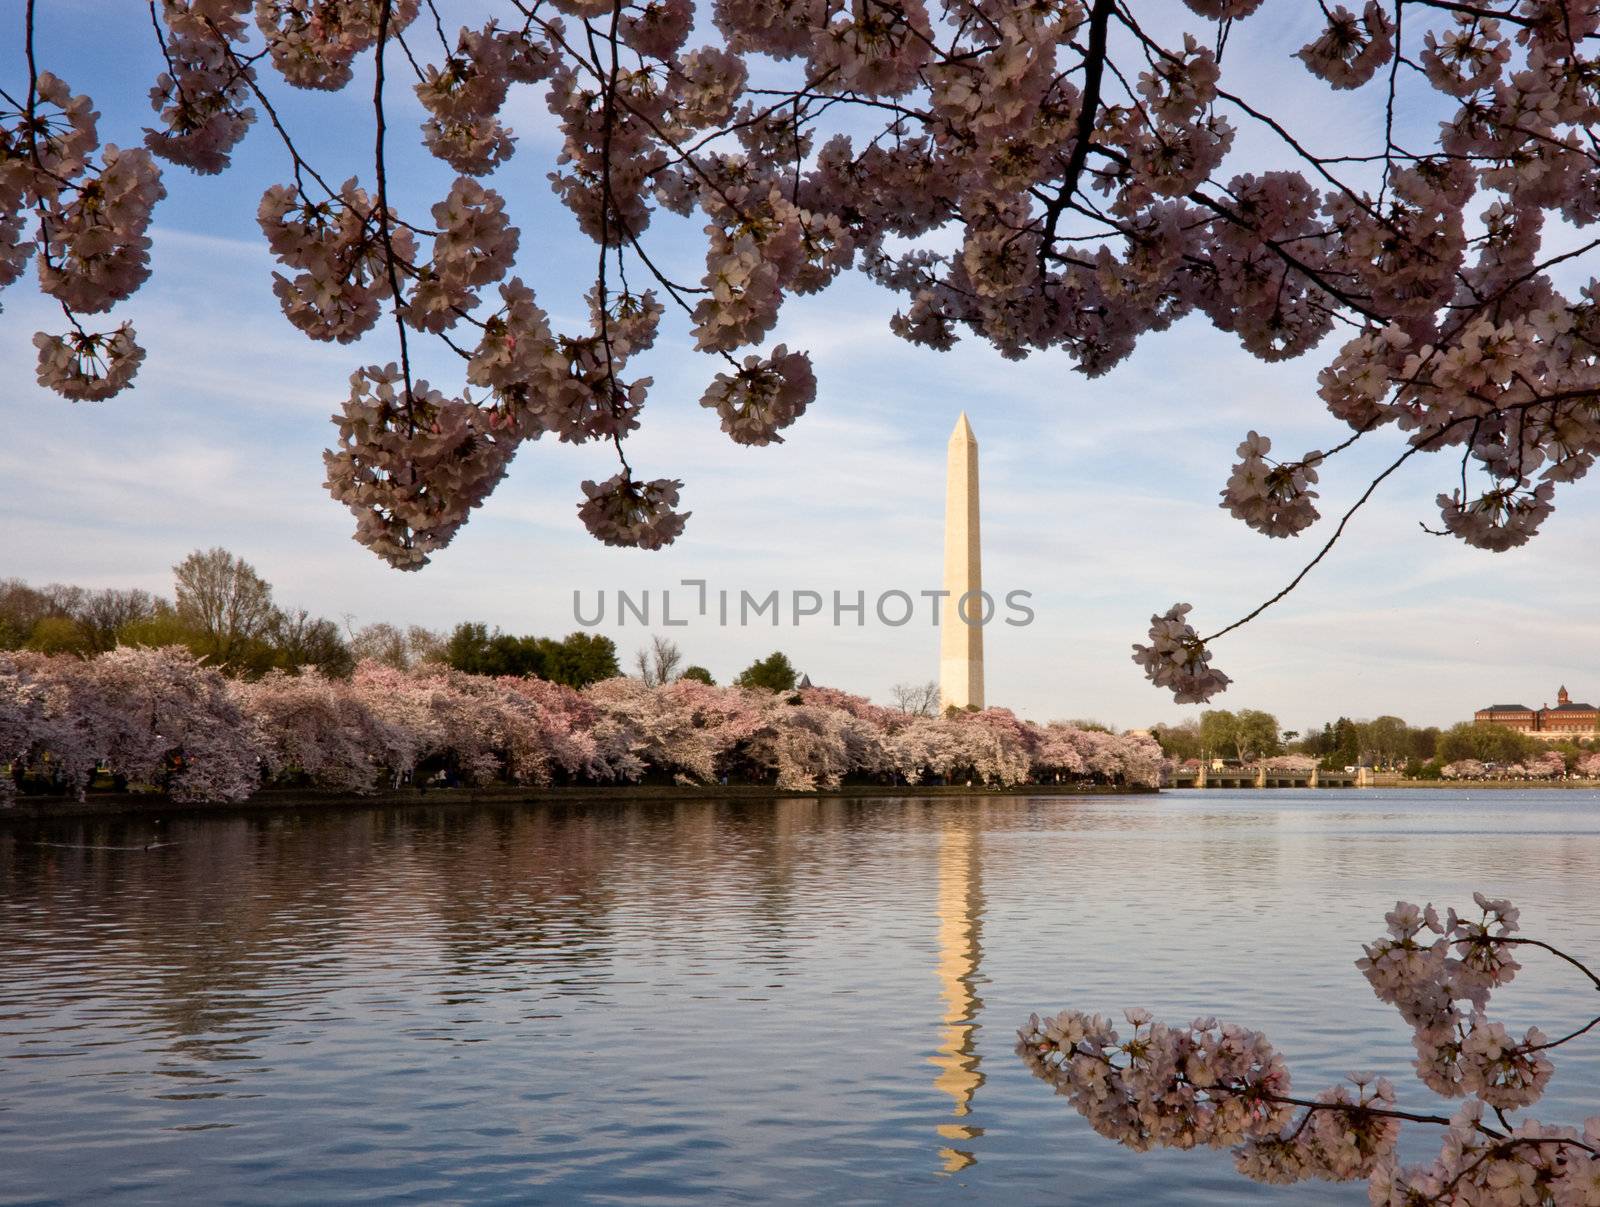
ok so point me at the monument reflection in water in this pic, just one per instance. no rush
(709, 1001)
(960, 931)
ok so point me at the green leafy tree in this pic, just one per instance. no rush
(580, 659)
(22, 607)
(58, 635)
(1345, 748)
(577, 660)
(1246, 735)
(774, 673)
(477, 651)
(1422, 744)
(1486, 743)
(1178, 742)
(467, 648)
(162, 627)
(1256, 735)
(1383, 740)
(1219, 734)
(699, 674)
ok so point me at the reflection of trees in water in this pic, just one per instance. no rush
(196, 935)
(249, 924)
(960, 950)
(512, 891)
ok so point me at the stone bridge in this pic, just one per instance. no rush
(1268, 777)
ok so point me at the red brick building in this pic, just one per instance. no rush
(1565, 720)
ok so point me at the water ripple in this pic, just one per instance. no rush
(807, 1001)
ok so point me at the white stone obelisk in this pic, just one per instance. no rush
(961, 630)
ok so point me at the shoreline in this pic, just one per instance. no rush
(134, 804)
(1493, 785)
(287, 800)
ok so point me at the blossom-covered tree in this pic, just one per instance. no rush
(322, 730)
(1464, 769)
(1549, 765)
(1220, 1085)
(1055, 175)
(155, 716)
(21, 721)
(161, 719)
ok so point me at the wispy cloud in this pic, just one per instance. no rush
(1099, 495)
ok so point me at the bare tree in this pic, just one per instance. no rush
(918, 699)
(103, 614)
(21, 608)
(380, 642)
(63, 600)
(425, 645)
(658, 663)
(225, 599)
(392, 646)
(303, 640)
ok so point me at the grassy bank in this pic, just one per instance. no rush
(1398, 781)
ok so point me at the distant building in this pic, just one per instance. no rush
(1565, 720)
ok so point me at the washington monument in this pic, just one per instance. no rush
(960, 643)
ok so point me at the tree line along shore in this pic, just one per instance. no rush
(1396, 751)
(161, 719)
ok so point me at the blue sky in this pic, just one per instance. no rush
(1099, 496)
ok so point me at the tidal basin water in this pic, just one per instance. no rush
(712, 1002)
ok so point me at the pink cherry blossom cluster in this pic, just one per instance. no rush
(1222, 1086)
(621, 511)
(202, 99)
(85, 366)
(91, 207)
(1350, 50)
(1048, 176)
(1178, 659)
(411, 463)
(763, 395)
(1273, 498)
(158, 717)
(314, 43)
(464, 94)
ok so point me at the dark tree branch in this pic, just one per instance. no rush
(385, 235)
(1088, 108)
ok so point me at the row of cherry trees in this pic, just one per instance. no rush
(161, 718)
(1549, 765)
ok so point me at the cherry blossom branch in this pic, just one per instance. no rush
(385, 9)
(1088, 108)
(1218, 1085)
(1327, 546)
(1509, 16)
(607, 209)
(33, 78)
(1594, 978)
(299, 163)
(1556, 1043)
